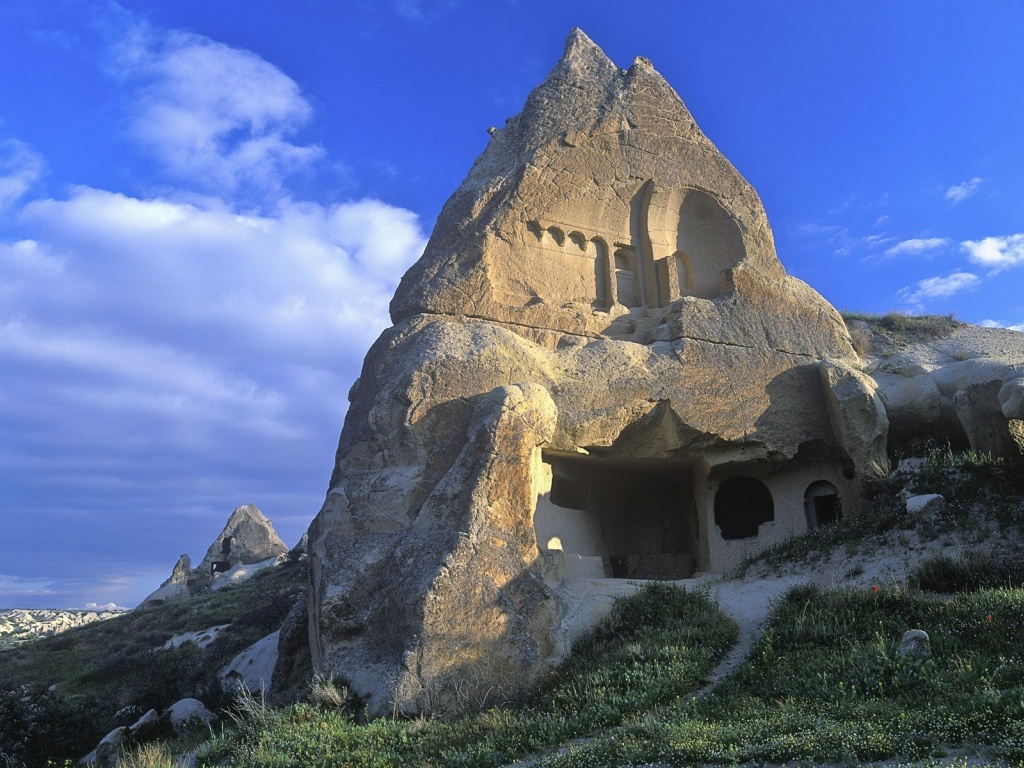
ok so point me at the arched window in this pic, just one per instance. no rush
(625, 279)
(822, 504)
(742, 504)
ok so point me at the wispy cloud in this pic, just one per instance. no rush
(960, 192)
(216, 116)
(939, 287)
(15, 587)
(997, 253)
(916, 246)
(421, 10)
(20, 168)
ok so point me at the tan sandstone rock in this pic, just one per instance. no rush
(598, 369)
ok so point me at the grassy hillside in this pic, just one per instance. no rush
(59, 695)
(826, 684)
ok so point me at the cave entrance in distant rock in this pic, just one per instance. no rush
(822, 504)
(623, 519)
(742, 504)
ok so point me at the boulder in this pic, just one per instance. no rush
(1011, 399)
(600, 355)
(184, 714)
(858, 415)
(915, 644)
(146, 727)
(109, 749)
(926, 504)
(253, 668)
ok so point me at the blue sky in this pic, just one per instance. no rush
(205, 207)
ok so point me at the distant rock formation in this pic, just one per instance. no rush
(248, 539)
(25, 625)
(598, 369)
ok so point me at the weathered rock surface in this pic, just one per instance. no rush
(253, 668)
(294, 667)
(248, 537)
(967, 388)
(858, 415)
(598, 360)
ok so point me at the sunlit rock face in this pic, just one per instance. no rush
(598, 370)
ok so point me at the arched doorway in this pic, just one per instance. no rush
(742, 504)
(822, 504)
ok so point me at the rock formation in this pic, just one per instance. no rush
(598, 369)
(966, 389)
(248, 538)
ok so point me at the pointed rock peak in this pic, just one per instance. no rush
(578, 45)
(582, 53)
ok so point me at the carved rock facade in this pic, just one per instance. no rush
(598, 370)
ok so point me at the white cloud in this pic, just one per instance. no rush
(20, 168)
(916, 246)
(997, 324)
(195, 320)
(939, 287)
(217, 116)
(963, 190)
(105, 607)
(290, 281)
(996, 252)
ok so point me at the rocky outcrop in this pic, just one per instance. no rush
(294, 667)
(247, 542)
(248, 537)
(600, 361)
(966, 389)
(177, 585)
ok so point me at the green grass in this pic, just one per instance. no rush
(656, 647)
(827, 684)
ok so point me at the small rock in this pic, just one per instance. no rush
(186, 711)
(926, 504)
(145, 727)
(915, 643)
